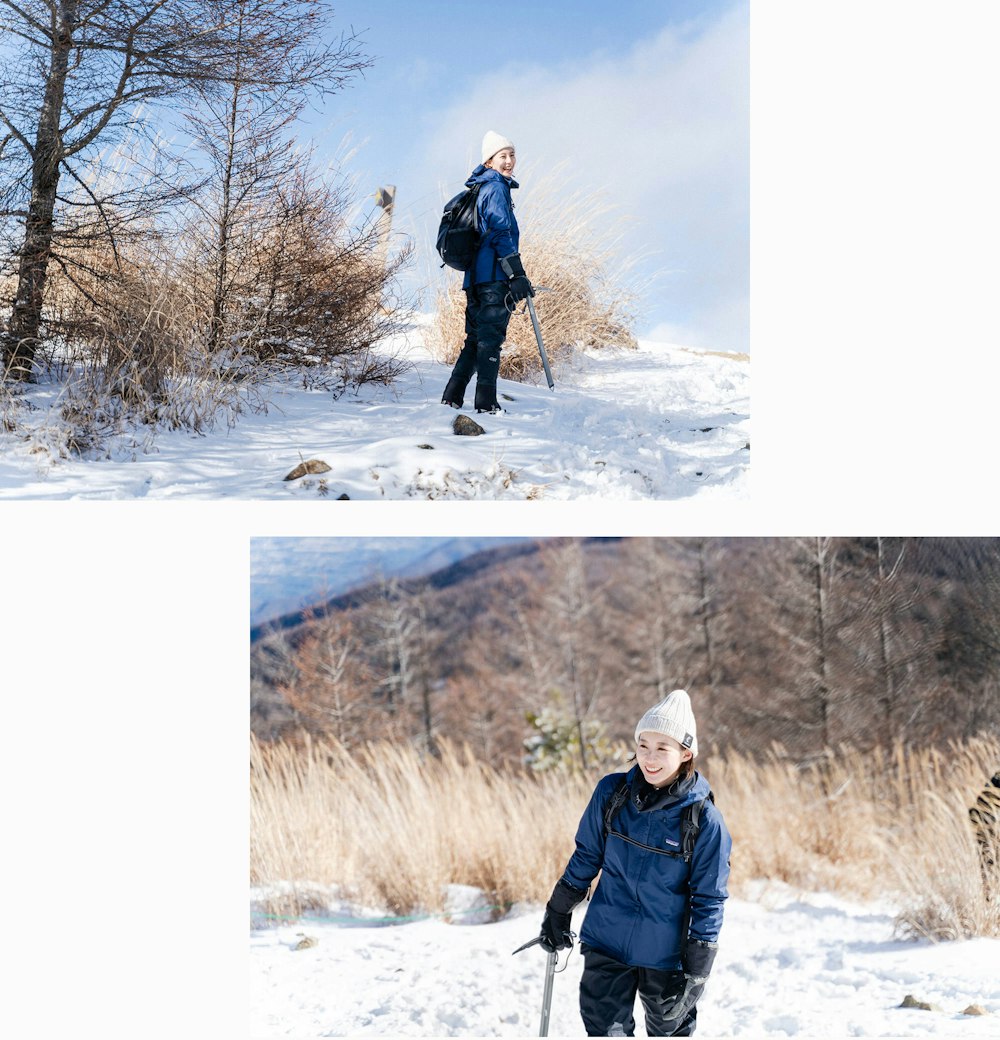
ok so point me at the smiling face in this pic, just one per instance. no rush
(660, 757)
(503, 162)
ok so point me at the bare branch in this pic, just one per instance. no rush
(45, 30)
(15, 133)
(99, 205)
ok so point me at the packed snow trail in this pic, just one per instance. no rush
(789, 965)
(660, 422)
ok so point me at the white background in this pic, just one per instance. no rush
(125, 625)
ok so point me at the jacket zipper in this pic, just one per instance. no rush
(647, 848)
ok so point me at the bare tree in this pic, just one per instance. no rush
(879, 658)
(710, 619)
(572, 606)
(329, 684)
(404, 646)
(81, 71)
(707, 614)
(83, 74)
(280, 61)
(820, 561)
(973, 623)
(651, 605)
(786, 632)
(885, 602)
(533, 641)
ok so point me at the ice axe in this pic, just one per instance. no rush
(509, 271)
(541, 345)
(550, 971)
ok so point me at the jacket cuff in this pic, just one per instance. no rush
(565, 897)
(512, 265)
(699, 956)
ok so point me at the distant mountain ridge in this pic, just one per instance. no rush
(289, 575)
(806, 643)
(444, 564)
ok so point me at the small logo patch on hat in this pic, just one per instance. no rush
(688, 740)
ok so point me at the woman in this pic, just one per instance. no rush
(496, 274)
(653, 923)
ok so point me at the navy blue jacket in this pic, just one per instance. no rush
(499, 235)
(637, 913)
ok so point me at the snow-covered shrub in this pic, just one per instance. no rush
(569, 247)
(131, 356)
(146, 326)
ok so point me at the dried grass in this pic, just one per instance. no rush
(392, 828)
(887, 823)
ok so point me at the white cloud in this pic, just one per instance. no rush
(664, 130)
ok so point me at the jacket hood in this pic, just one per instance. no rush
(482, 174)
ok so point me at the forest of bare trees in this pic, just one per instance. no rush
(807, 643)
(166, 241)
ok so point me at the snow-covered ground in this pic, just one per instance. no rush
(660, 422)
(790, 964)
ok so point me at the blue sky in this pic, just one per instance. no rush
(645, 101)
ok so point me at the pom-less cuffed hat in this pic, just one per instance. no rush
(674, 717)
(493, 142)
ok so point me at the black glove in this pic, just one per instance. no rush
(520, 287)
(683, 989)
(556, 934)
(672, 993)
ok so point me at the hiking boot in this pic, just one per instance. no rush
(454, 393)
(486, 399)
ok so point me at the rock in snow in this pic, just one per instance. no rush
(305, 468)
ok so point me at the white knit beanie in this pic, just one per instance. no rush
(674, 717)
(493, 142)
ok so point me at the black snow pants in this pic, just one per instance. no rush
(607, 997)
(486, 318)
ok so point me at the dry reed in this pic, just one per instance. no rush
(392, 829)
(888, 823)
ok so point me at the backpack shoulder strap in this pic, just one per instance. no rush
(474, 203)
(690, 829)
(614, 804)
(691, 826)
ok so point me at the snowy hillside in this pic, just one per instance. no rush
(661, 422)
(790, 965)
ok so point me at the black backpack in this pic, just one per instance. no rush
(458, 232)
(690, 821)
